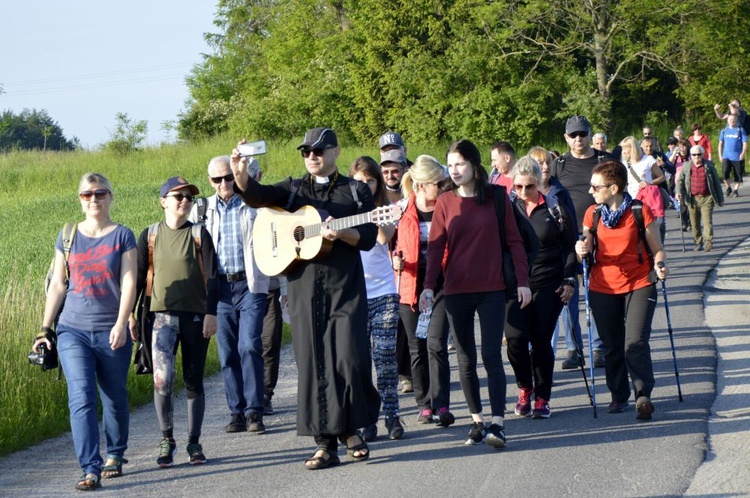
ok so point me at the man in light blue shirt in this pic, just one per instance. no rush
(243, 292)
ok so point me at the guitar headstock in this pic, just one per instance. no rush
(386, 215)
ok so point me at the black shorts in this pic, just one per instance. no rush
(734, 168)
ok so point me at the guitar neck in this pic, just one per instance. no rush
(339, 224)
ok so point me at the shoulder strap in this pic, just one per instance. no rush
(68, 234)
(498, 192)
(632, 172)
(198, 238)
(637, 208)
(152, 231)
(600, 157)
(597, 214)
(353, 186)
(201, 206)
(293, 193)
(560, 164)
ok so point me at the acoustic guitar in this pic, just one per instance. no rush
(281, 240)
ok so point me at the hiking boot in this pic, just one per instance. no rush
(167, 449)
(267, 406)
(618, 406)
(523, 407)
(406, 386)
(644, 407)
(394, 427)
(370, 433)
(444, 417)
(572, 361)
(541, 408)
(496, 436)
(195, 450)
(255, 423)
(709, 246)
(237, 424)
(477, 433)
(598, 358)
(425, 416)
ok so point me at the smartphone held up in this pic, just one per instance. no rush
(252, 149)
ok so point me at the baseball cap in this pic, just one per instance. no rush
(577, 123)
(390, 138)
(319, 138)
(176, 183)
(392, 156)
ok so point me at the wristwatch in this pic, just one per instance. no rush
(570, 281)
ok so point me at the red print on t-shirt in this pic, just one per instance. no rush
(90, 271)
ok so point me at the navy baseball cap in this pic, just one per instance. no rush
(176, 183)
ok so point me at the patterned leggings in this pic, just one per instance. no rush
(382, 325)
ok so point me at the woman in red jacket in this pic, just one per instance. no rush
(430, 369)
(466, 226)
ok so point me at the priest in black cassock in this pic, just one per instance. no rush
(327, 301)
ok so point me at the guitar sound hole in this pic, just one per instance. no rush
(299, 234)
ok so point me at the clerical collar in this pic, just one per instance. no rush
(321, 179)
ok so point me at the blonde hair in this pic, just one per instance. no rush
(426, 169)
(636, 154)
(540, 154)
(89, 178)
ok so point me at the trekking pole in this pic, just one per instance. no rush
(660, 264)
(579, 351)
(588, 329)
(400, 255)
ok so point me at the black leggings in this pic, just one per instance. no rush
(430, 369)
(624, 323)
(491, 309)
(534, 324)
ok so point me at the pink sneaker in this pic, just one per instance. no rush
(523, 407)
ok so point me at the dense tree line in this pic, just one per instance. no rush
(32, 129)
(441, 69)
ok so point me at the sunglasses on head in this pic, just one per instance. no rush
(179, 197)
(227, 178)
(100, 194)
(576, 134)
(519, 187)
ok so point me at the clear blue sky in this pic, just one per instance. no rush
(84, 61)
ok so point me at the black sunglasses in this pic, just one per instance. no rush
(227, 178)
(179, 197)
(100, 194)
(576, 134)
(318, 152)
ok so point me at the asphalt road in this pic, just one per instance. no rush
(697, 447)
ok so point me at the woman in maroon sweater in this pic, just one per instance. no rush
(465, 231)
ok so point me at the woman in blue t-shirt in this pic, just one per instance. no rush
(98, 292)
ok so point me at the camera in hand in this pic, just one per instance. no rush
(45, 357)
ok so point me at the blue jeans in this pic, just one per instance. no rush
(240, 324)
(87, 359)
